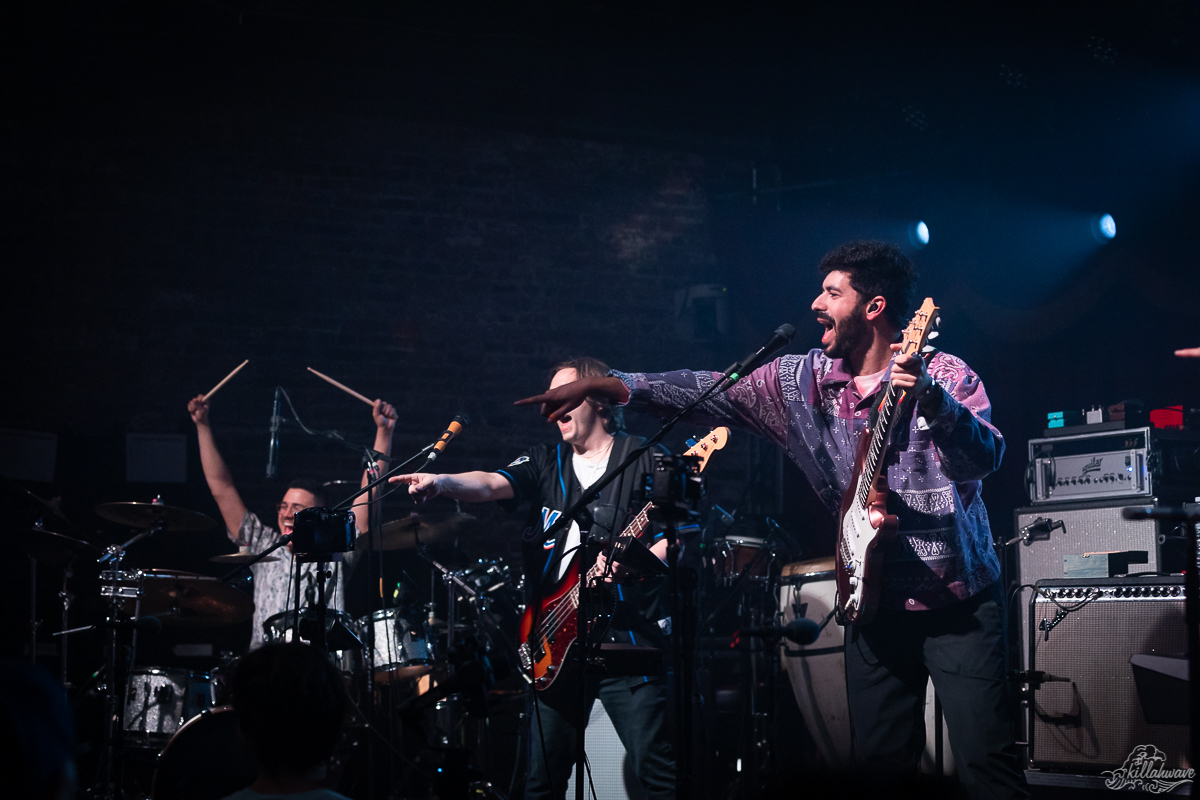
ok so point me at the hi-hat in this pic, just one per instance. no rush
(155, 515)
(54, 548)
(417, 530)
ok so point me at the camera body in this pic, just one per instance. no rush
(319, 534)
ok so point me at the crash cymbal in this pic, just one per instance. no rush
(54, 548)
(187, 600)
(240, 558)
(418, 529)
(155, 515)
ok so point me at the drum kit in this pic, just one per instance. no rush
(165, 714)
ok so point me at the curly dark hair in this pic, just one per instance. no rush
(289, 702)
(588, 367)
(876, 269)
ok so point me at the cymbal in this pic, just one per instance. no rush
(240, 558)
(418, 529)
(187, 600)
(54, 548)
(155, 515)
(42, 505)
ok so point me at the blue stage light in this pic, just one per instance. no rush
(918, 234)
(1104, 227)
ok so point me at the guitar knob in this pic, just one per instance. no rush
(854, 583)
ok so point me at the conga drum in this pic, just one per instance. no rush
(817, 671)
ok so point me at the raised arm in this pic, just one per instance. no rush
(220, 480)
(471, 487)
(384, 416)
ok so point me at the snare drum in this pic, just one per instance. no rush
(817, 671)
(733, 554)
(400, 648)
(159, 701)
(205, 760)
(345, 650)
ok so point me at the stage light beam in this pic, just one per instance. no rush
(1104, 228)
(918, 234)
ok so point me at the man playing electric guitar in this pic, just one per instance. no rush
(550, 479)
(940, 604)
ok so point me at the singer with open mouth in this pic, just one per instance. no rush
(939, 609)
(273, 579)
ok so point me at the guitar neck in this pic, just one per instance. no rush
(879, 438)
(633, 530)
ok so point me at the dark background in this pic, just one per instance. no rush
(434, 203)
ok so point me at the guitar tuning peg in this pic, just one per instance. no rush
(928, 349)
(937, 320)
(934, 334)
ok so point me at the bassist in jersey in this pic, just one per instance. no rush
(547, 479)
(939, 612)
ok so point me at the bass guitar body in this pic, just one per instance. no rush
(542, 656)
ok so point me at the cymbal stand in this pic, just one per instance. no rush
(33, 624)
(66, 597)
(112, 694)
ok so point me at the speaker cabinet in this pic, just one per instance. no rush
(1085, 632)
(1056, 530)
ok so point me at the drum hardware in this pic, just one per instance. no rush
(59, 552)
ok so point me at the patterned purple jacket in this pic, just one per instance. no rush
(810, 407)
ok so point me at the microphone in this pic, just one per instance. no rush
(454, 429)
(1034, 677)
(273, 451)
(801, 631)
(782, 335)
(1165, 513)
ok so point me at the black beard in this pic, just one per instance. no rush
(851, 332)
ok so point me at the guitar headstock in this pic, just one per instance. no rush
(920, 329)
(705, 446)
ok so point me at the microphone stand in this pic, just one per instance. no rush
(683, 655)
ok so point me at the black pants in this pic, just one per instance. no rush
(888, 664)
(638, 709)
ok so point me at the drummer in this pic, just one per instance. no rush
(273, 587)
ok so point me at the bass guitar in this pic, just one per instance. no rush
(865, 524)
(544, 652)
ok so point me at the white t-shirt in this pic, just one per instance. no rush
(588, 472)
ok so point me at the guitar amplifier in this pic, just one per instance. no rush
(1052, 532)
(1089, 716)
(1137, 462)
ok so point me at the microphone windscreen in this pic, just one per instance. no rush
(786, 331)
(802, 630)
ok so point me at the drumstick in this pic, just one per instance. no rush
(225, 380)
(343, 387)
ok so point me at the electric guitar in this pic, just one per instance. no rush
(865, 523)
(542, 654)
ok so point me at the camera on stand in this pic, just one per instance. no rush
(675, 486)
(322, 534)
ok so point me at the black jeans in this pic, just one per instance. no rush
(888, 664)
(638, 709)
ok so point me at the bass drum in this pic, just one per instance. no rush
(205, 760)
(817, 671)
